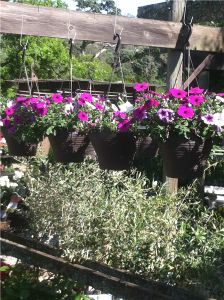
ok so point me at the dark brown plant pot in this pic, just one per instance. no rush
(185, 158)
(115, 151)
(5, 224)
(71, 147)
(147, 147)
(18, 149)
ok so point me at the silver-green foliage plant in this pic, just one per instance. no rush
(115, 218)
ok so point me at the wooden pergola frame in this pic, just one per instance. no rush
(52, 22)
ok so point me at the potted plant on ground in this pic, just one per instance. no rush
(185, 127)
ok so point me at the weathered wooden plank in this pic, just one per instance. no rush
(53, 22)
(82, 274)
(198, 70)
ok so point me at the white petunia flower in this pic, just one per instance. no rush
(126, 107)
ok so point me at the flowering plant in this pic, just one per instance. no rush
(177, 114)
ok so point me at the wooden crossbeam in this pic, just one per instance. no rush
(198, 70)
(54, 22)
(87, 276)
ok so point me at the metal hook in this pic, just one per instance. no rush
(24, 50)
(71, 43)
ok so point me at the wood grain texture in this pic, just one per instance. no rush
(54, 22)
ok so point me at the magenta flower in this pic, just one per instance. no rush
(149, 103)
(57, 98)
(124, 125)
(196, 100)
(9, 111)
(41, 110)
(116, 114)
(81, 101)
(21, 99)
(165, 115)
(17, 120)
(6, 122)
(178, 93)
(48, 102)
(33, 100)
(185, 112)
(208, 119)
(87, 97)
(138, 113)
(122, 115)
(83, 116)
(196, 91)
(140, 87)
(156, 103)
(222, 94)
(98, 106)
(155, 93)
(34, 106)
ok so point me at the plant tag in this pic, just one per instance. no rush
(3, 214)
(13, 202)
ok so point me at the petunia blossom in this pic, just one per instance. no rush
(196, 100)
(6, 122)
(17, 120)
(138, 113)
(178, 93)
(149, 103)
(140, 86)
(219, 119)
(185, 112)
(124, 125)
(83, 116)
(33, 119)
(41, 110)
(208, 119)
(21, 99)
(87, 97)
(12, 130)
(9, 111)
(57, 98)
(81, 101)
(196, 91)
(98, 106)
(165, 115)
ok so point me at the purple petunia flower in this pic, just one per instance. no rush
(6, 122)
(178, 93)
(9, 111)
(57, 98)
(86, 97)
(98, 106)
(41, 110)
(138, 113)
(196, 91)
(208, 119)
(124, 125)
(17, 120)
(196, 100)
(33, 119)
(12, 130)
(140, 87)
(81, 101)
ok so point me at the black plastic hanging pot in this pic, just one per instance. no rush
(18, 149)
(147, 147)
(115, 151)
(185, 158)
(71, 147)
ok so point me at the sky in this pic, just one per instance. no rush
(126, 6)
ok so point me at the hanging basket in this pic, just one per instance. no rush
(147, 147)
(18, 149)
(71, 147)
(115, 151)
(185, 158)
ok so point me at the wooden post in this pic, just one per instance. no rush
(174, 73)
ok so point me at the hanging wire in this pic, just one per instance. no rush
(23, 57)
(115, 21)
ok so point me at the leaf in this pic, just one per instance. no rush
(5, 268)
(78, 297)
(24, 294)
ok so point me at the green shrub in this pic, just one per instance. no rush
(115, 218)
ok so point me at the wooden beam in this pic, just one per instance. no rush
(87, 276)
(198, 70)
(54, 22)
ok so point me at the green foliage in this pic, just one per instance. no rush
(107, 6)
(24, 284)
(114, 217)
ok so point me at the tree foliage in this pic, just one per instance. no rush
(107, 6)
